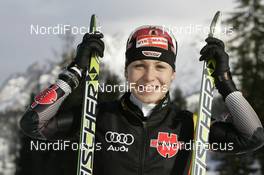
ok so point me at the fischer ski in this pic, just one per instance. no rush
(203, 120)
(87, 132)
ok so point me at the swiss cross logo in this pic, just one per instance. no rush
(167, 144)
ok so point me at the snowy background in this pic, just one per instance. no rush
(20, 48)
(25, 57)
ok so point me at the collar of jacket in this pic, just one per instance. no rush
(157, 114)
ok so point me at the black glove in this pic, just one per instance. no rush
(215, 49)
(90, 43)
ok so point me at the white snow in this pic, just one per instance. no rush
(15, 93)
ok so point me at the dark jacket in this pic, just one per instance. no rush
(128, 143)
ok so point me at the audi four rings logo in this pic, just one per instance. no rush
(114, 137)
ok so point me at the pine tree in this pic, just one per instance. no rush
(247, 47)
(247, 54)
(235, 164)
(178, 99)
(109, 84)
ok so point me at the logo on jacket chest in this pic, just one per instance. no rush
(167, 144)
(119, 142)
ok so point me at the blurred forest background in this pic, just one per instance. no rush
(246, 49)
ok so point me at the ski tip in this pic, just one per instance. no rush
(217, 15)
(215, 24)
(93, 23)
(93, 17)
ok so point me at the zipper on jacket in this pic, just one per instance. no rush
(143, 151)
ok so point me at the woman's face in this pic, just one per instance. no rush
(150, 79)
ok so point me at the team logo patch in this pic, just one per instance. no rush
(151, 54)
(48, 96)
(152, 41)
(167, 144)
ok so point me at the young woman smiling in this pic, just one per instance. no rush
(140, 132)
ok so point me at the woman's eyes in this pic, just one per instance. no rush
(160, 66)
(139, 65)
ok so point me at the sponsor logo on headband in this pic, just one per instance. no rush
(151, 54)
(152, 41)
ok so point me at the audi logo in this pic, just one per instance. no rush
(114, 137)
